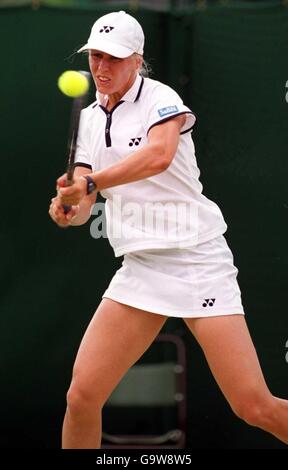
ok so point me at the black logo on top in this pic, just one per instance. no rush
(208, 302)
(106, 29)
(135, 141)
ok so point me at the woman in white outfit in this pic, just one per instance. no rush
(135, 147)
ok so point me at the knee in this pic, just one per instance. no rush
(254, 409)
(82, 401)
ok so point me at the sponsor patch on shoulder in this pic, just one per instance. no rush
(169, 110)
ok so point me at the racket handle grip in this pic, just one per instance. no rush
(67, 209)
(69, 182)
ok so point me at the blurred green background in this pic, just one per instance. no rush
(228, 60)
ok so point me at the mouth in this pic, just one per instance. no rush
(102, 80)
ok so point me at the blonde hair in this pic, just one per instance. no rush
(145, 68)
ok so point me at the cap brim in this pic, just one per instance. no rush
(108, 47)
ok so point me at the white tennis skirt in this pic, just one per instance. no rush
(200, 281)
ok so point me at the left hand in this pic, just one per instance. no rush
(71, 195)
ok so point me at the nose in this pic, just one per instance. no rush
(102, 65)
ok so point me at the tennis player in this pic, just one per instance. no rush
(135, 148)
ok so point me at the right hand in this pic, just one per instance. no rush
(56, 212)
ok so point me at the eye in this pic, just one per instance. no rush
(95, 55)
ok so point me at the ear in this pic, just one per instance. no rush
(139, 61)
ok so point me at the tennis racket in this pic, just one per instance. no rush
(78, 104)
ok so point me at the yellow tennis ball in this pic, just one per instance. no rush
(73, 83)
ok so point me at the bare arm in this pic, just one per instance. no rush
(80, 213)
(152, 159)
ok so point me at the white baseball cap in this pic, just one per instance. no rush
(117, 34)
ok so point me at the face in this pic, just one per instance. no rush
(113, 76)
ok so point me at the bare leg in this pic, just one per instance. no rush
(232, 358)
(116, 338)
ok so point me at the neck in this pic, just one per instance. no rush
(114, 98)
